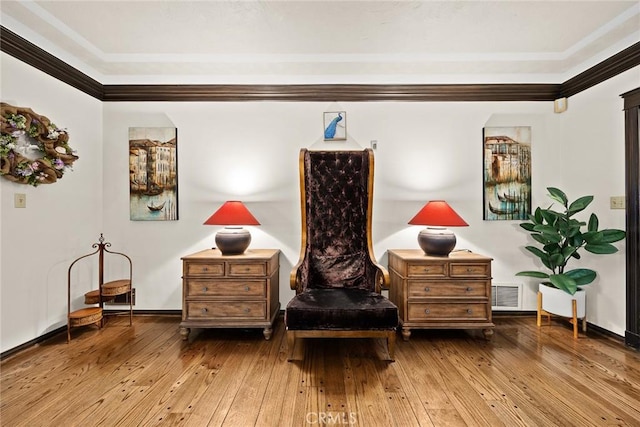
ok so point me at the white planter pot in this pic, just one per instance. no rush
(558, 302)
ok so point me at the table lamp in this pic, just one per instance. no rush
(232, 239)
(436, 239)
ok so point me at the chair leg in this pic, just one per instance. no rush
(291, 344)
(391, 345)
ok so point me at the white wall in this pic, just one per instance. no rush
(61, 220)
(249, 151)
(593, 163)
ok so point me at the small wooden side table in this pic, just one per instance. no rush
(434, 292)
(230, 291)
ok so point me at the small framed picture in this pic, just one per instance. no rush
(335, 126)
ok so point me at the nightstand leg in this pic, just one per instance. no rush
(488, 333)
(406, 333)
(267, 333)
(185, 333)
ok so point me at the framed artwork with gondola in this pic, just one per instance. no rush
(153, 173)
(507, 173)
(335, 126)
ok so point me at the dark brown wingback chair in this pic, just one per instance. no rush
(337, 280)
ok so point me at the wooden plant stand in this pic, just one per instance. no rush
(106, 292)
(573, 320)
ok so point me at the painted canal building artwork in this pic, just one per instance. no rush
(153, 174)
(507, 173)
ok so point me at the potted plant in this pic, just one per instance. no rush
(562, 237)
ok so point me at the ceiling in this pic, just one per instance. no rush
(217, 42)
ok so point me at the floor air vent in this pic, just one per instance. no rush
(506, 296)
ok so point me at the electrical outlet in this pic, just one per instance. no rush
(617, 202)
(20, 200)
(374, 144)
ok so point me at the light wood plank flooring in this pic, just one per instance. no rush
(145, 375)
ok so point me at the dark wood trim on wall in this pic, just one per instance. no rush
(611, 67)
(632, 178)
(14, 45)
(333, 92)
(31, 54)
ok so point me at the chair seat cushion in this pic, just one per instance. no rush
(340, 309)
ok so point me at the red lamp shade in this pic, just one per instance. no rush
(232, 213)
(233, 239)
(436, 240)
(439, 214)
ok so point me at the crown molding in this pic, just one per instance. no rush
(27, 52)
(610, 67)
(333, 92)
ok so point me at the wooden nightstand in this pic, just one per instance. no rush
(434, 292)
(230, 291)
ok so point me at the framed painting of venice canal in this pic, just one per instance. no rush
(507, 173)
(153, 173)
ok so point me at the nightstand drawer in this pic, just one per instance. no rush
(204, 269)
(226, 288)
(470, 270)
(447, 311)
(442, 288)
(430, 270)
(225, 310)
(247, 269)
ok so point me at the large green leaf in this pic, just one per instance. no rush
(536, 251)
(537, 216)
(593, 237)
(540, 238)
(545, 229)
(550, 216)
(582, 276)
(579, 205)
(536, 274)
(527, 226)
(568, 251)
(593, 223)
(611, 235)
(557, 195)
(557, 260)
(564, 282)
(601, 248)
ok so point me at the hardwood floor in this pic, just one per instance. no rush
(145, 375)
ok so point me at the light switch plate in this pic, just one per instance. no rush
(20, 200)
(617, 202)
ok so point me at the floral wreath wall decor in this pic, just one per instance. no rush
(24, 162)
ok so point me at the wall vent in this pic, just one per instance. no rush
(506, 296)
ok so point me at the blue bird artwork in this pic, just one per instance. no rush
(330, 131)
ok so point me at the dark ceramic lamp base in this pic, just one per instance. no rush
(233, 240)
(437, 241)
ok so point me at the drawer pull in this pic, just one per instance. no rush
(469, 270)
(246, 310)
(205, 310)
(427, 311)
(427, 289)
(469, 288)
(205, 289)
(246, 288)
(469, 311)
(205, 269)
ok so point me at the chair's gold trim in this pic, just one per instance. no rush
(294, 279)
